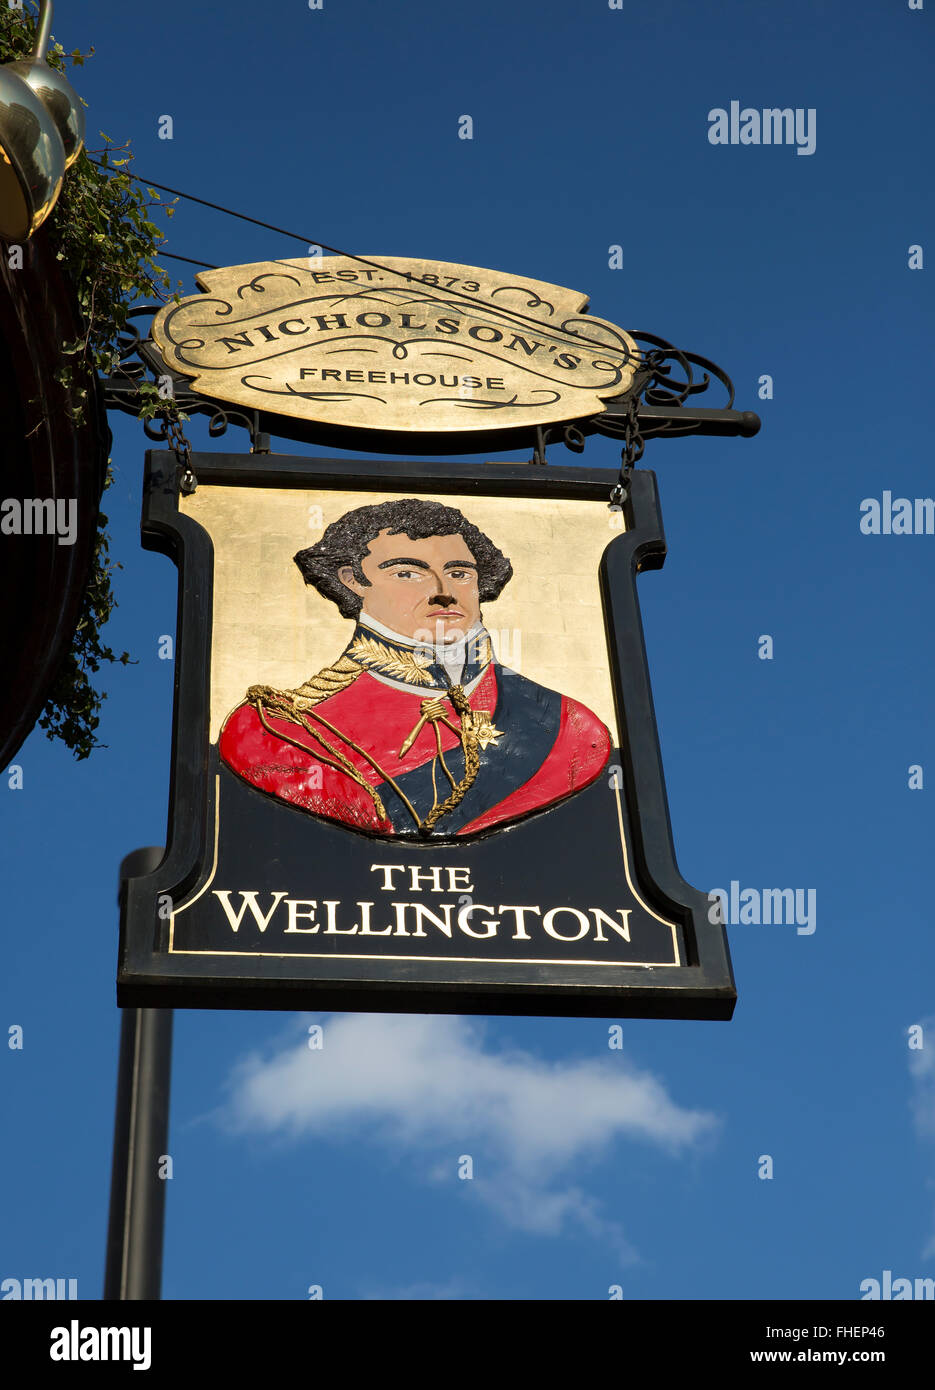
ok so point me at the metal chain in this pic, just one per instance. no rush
(175, 435)
(630, 454)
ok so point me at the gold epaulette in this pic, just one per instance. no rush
(287, 703)
(327, 682)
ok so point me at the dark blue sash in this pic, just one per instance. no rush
(528, 716)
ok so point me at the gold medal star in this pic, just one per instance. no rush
(477, 726)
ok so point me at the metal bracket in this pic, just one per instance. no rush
(664, 388)
(140, 356)
(571, 436)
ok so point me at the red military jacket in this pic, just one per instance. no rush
(344, 757)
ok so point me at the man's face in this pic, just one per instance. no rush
(425, 589)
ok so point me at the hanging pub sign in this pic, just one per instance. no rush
(415, 759)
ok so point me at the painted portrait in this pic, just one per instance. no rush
(416, 729)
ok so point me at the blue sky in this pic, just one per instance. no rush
(635, 1167)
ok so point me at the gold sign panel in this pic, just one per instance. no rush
(395, 345)
(270, 626)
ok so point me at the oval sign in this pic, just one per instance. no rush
(395, 345)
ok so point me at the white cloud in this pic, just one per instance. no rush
(451, 1290)
(430, 1083)
(922, 1070)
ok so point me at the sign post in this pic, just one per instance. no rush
(133, 1268)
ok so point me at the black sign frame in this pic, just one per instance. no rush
(149, 976)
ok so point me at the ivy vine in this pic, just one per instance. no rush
(102, 234)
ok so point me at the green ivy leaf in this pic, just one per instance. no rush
(106, 242)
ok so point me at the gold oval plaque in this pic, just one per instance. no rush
(395, 345)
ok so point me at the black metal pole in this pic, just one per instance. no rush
(141, 1135)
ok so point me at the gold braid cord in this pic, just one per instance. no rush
(295, 706)
(282, 704)
(469, 743)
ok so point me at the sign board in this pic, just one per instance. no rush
(415, 759)
(396, 348)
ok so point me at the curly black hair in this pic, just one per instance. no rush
(346, 542)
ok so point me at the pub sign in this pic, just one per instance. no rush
(415, 759)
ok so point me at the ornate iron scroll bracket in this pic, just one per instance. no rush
(139, 361)
(568, 434)
(665, 389)
(660, 403)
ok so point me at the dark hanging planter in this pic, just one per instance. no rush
(46, 456)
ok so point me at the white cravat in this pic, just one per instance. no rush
(451, 655)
